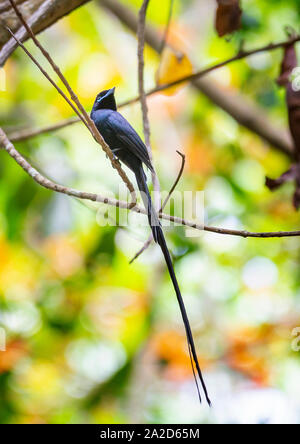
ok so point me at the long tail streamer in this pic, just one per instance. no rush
(159, 238)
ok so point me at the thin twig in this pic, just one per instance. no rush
(150, 238)
(24, 135)
(143, 98)
(82, 114)
(141, 250)
(50, 185)
(176, 181)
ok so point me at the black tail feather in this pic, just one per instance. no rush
(152, 216)
(159, 238)
(192, 349)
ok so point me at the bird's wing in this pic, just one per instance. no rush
(128, 137)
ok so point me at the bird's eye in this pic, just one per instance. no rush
(99, 99)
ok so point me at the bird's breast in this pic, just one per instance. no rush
(101, 121)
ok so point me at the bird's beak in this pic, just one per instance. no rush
(111, 92)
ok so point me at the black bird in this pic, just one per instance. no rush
(129, 148)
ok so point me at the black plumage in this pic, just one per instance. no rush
(129, 148)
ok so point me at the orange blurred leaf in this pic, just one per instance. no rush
(172, 68)
(200, 156)
(15, 351)
(251, 365)
(170, 346)
(246, 352)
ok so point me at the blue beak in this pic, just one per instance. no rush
(111, 92)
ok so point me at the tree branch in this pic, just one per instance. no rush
(50, 185)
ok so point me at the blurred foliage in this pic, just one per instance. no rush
(92, 339)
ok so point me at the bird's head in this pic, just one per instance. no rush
(106, 100)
